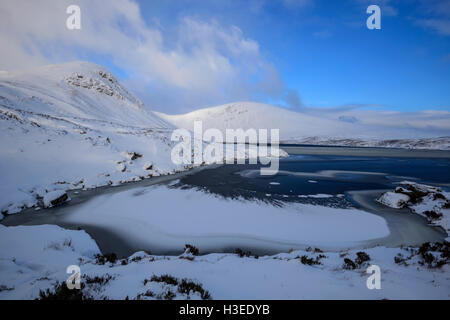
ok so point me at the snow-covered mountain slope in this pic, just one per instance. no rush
(325, 128)
(76, 90)
(74, 126)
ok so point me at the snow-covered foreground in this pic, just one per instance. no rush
(35, 258)
(422, 130)
(166, 218)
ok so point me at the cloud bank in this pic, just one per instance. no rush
(193, 63)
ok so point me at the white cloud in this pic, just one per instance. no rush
(386, 6)
(435, 16)
(201, 63)
(296, 3)
(441, 26)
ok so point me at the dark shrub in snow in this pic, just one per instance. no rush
(169, 295)
(164, 278)
(241, 253)
(188, 248)
(107, 257)
(432, 215)
(438, 195)
(186, 286)
(61, 292)
(147, 293)
(434, 255)
(311, 261)
(349, 264)
(98, 280)
(135, 155)
(362, 257)
(400, 259)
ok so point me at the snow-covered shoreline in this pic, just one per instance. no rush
(430, 202)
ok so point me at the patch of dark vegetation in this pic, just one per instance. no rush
(438, 195)
(446, 205)
(105, 258)
(135, 155)
(164, 278)
(147, 293)
(188, 286)
(241, 253)
(97, 280)
(400, 259)
(349, 264)
(417, 191)
(361, 257)
(413, 198)
(434, 255)
(136, 259)
(432, 215)
(5, 288)
(188, 248)
(43, 279)
(312, 261)
(315, 250)
(169, 295)
(61, 292)
(431, 255)
(184, 286)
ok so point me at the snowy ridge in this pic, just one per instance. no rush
(77, 90)
(323, 129)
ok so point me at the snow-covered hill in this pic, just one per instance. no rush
(326, 128)
(74, 126)
(77, 90)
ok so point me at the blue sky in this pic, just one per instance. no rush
(180, 55)
(323, 50)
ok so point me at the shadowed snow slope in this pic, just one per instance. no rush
(368, 129)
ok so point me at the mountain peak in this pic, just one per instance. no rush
(76, 89)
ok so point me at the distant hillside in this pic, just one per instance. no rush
(324, 129)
